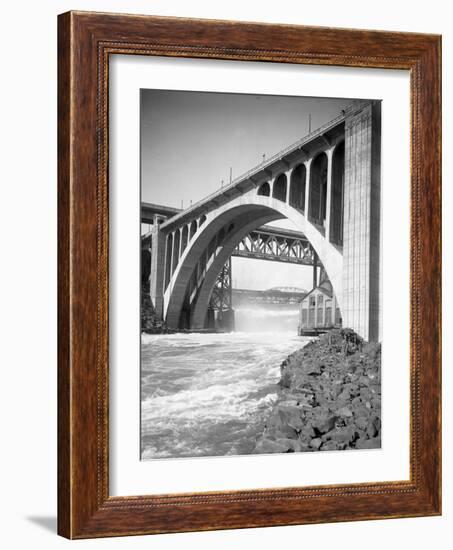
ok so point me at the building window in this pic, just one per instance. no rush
(320, 299)
(304, 317)
(328, 320)
(312, 301)
(319, 317)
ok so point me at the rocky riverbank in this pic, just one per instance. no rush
(150, 322)
(329, 397)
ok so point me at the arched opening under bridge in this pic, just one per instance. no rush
(297, 187)
(318, 190)
(337, 196)
(279, 190)
(264, 189)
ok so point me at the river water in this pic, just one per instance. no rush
(210, 394)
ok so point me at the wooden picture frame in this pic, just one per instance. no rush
(85, 42)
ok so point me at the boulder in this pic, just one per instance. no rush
(316, 443)
(329, 446)
(307, 432)
(278, 427)
(291, 416)
(313, 369)
(344, 395)
(265, 446)
(342, 435)
(373, 426)
(374, 443)
(361, 422)
(344, 411)
(324, 424)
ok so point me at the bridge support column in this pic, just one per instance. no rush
(315, 269)
(210, 319)
(225, 320)
(329, 153)
(288, 184)
(361, 300)
(307, 187)
(157, 271)
(221, 301)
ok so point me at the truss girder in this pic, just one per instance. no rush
(278, 248)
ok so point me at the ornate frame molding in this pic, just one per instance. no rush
(86, 40)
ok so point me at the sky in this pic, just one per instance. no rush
(190, 140)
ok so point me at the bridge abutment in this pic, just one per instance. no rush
(361, 302)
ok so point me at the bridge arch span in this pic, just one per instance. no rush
(201, 302)
(201, 251)
(198, 264)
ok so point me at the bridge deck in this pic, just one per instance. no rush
(249, 179)
(149, 210)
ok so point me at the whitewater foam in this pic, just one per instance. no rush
(208, 394)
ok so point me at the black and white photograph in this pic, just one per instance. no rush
(261, 301)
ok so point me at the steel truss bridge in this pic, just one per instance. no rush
(266, 243)
(276, 245)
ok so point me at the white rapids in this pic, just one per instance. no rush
(209, 394)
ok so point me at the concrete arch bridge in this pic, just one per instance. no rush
(327, 184)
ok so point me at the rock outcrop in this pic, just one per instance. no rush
(329, 397)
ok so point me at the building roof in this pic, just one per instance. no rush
(321, 289)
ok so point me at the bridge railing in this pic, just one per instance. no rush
(289, 149)
(261, 166)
